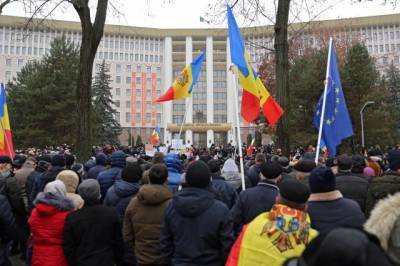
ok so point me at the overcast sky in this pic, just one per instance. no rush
(186, 13)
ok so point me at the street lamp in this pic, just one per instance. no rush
(362, 122)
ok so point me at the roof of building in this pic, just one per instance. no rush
(348, 23)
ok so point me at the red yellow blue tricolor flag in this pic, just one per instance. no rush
(155, 137)
(183, 85)
(6, 143)
(255, 95)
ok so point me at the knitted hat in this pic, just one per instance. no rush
(132, 172)
(58, 160)
(322, 180)
(271, 170)
(394, 160)
(89, 190)
(214, 166)
(198, 175)
(294, 190)
(304, 165)
(5, 159)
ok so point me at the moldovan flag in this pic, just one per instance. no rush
(155, 137)
(183, 85)
(6, 143)
(255, 95)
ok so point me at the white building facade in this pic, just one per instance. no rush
(143, 63)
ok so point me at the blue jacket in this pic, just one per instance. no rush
(120, 194)
(330, 210)
(174, 170)
(197, 229)
(107, 178)
(101, 160)
(252, 202)
(226, 193)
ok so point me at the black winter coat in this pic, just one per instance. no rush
(380, 187)
(226, 193)
(253, 174)
(10, 188)
(45, 178)
(252, 202)
(93, 237)
(197, 229)
(7, 227)
(353, 187)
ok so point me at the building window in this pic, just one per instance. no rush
(385, 60)
(8, 62)
(128, 92)
(138, 92)
(158, 119)
(128, 68)
(138, 80)
(20, 62)
(148, 82)
(127, 117)
(141, 58)
(381, 48)
(117, 103)
(139, 69)
(386, 48)
(138, 116)
(118, 68)
(128, 104)
(158, 70)
(138, 103)
(396, 59)
(148, 118)
(118, 79)
(392, 35)
(177, 119)
(118, 91)
(117, 117)
(146, 58)
(148, 69)
(158, 82)
(128, 80)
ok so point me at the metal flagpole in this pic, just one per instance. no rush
(239, 138)
(184, 118)
(5, 136)
(321, 122)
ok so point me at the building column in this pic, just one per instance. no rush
(167, 106)
(230, 96)
(189, 100)
(210, 88)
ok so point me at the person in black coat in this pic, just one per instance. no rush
(258, 199)
(226, 193)
(197, 228)
(327, 207)
(253, 174)
(351, 186)
(8, 230)
(92, 234)
(42, 166)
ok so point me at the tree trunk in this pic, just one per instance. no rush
(91, 36)
(282, 72)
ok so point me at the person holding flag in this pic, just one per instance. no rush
(332, 116)
(182, 86)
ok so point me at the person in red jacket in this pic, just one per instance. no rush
(47, 225)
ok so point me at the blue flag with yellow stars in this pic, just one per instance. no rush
(337, 124)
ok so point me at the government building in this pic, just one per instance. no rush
(144, 62)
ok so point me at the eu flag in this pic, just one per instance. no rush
(336, 121)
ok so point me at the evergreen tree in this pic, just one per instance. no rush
(139, 141)
(41, 99)
(249, 139)
(393, 84)
(106, 128)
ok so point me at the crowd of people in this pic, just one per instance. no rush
(122, 207)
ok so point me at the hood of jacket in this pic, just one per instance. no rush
(101, 159)
(57, 204)
(153, 194)
(383, 218)
(118, 159)
(191, 202)
(173, 163)
(230, 166)
(124, 189)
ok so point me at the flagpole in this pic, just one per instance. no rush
(239, 138)
(321, 122)
(184, 118)
(5, 136)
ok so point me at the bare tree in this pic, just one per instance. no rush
(92, 33)
(4, 3)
